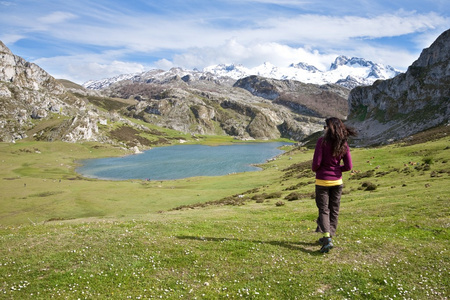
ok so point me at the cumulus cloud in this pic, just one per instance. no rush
(316, 39)
(319, 40)
(164, 64)
(281, 55)
(252, 55)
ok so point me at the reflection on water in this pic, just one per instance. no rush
(182, 161)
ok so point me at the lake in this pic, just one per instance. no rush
(182, 161)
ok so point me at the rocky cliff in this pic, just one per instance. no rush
(408, 103)
(29, 96)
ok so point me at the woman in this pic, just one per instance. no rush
(330, 150)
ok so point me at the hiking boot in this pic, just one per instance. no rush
(322, 241)
(327, 246)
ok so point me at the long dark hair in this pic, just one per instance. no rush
(337, 135)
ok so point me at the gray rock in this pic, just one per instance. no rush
(411, 102)
(28, 92)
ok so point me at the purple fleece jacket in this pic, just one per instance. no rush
(328, 167)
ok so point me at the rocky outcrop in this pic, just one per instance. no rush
(207, 105)
(408, 103)
(30, 97)
(23, 74)
(223, 110)
(250, 108)
(253, 107)
(306, 99)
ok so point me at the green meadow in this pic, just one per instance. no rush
(241, 236)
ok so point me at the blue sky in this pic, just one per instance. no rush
(82, 40)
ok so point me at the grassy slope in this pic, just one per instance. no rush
(392, 241)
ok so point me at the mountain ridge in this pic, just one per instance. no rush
(344, 71)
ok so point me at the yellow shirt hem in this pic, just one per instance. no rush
(322, 182)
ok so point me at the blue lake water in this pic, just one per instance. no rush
(182, 161)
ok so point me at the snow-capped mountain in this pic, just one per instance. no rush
(347, 72)
(102, 83)
(305, 66)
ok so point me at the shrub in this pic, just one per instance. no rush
(369, 186)
(346, 192)
(357, 176)
(274, 195)
(264, 196)
(428, 160)
(293, 196)
(297, 196)
(259, 197)
(46, 194)
(297, 186)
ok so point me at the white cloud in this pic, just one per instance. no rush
(164, 64)
(400, 59)
(319, 38)
(200, 39)
(10, 38)
(81, 68)
(283, 55)
(57, 17)
(425, 39)
(146, 32)
(252, 55)
(7, 3)
(280, 2)
(337, 30)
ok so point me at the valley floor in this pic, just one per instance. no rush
(235, 236)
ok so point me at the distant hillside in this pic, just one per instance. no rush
(408, 103)
(200, 104)
(309, 99)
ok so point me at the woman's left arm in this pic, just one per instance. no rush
(317, 158)
(347, 159)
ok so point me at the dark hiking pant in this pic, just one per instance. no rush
(328, 200)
